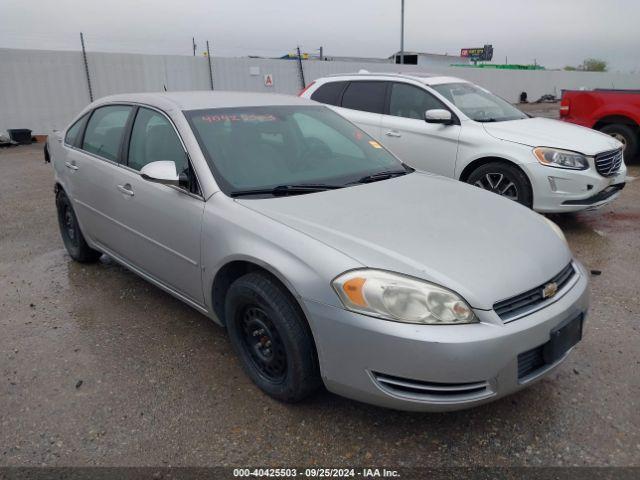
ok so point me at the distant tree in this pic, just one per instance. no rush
(569, 68)
(594, 65)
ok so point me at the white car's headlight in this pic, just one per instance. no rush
(402, 299)
(553, 157)
(555, 228)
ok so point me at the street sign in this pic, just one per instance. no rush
(268, 80)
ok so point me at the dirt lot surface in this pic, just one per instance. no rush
(98, 367)
(549, 110)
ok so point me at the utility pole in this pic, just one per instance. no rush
(86, 67)
(402, 32)
(321, 56)
(304, 85)
(210, 70)
(193, 43)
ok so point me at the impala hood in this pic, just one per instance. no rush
(545, 132)
(474, 242)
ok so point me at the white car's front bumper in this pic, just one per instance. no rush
(558, 190)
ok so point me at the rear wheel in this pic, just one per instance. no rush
(505, 180)
(72, 237)
(625, 134)
(270, 335)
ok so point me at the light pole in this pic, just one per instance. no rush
(402, 32)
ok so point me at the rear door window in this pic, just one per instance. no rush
(73, 133)
(329, 93)
(411, 102)
(366, 96)
(105, 130)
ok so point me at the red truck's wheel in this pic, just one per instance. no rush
(625, 134)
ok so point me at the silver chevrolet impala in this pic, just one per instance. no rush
(327, 259)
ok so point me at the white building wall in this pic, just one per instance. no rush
(41, 89)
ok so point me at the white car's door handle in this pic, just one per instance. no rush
(393, 133)
(71, 165)
(126, 189)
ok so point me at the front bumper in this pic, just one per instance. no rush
(556, 190)
(365, 358)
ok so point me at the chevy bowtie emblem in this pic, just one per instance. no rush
(549, 290)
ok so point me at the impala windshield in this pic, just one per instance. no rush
(479, 104)
(288, 149)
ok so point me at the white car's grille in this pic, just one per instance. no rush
(608, 163)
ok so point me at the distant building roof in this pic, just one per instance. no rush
(426, 54)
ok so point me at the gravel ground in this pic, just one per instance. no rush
(98, 367)
(549, 110)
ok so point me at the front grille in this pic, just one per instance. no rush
(512, 307)
(530, 361)
(439, 392)
(608, 163)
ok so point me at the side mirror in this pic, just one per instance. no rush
(438, 115)
(161, 172)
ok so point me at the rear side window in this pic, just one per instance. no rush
(105, 130)
(73, 133)
(329, 93)
(411, 102)
(365, 96)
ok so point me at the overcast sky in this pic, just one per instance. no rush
(554, 32)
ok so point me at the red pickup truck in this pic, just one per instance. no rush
(614, 112)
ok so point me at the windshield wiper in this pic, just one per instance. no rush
(486, 120)
(374, 177)
(283, 190)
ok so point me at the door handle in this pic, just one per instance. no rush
(393, 133)
(126, 189)
(70, 165)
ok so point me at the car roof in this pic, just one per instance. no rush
(197, 100)
(422, 77)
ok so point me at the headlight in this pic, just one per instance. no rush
(561, 158)
(402, 299)
(555, 228)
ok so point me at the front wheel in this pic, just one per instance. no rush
(626, 135)
(269, 333)
(505, 180)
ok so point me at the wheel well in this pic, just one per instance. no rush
(229, 274)
(236, 269)
(483, 161)
(613, 119)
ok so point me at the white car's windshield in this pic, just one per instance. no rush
(477, 103)
(283, 150)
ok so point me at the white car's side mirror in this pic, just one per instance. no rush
(438, 115)
(161, 172)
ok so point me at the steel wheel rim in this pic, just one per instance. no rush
(69, 224)
(263, 344)
(500, 184)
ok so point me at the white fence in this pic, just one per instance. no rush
(44, 89)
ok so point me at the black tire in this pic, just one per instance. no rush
(70, 231)
(627, 134)
(505, 180)
(269, 333)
